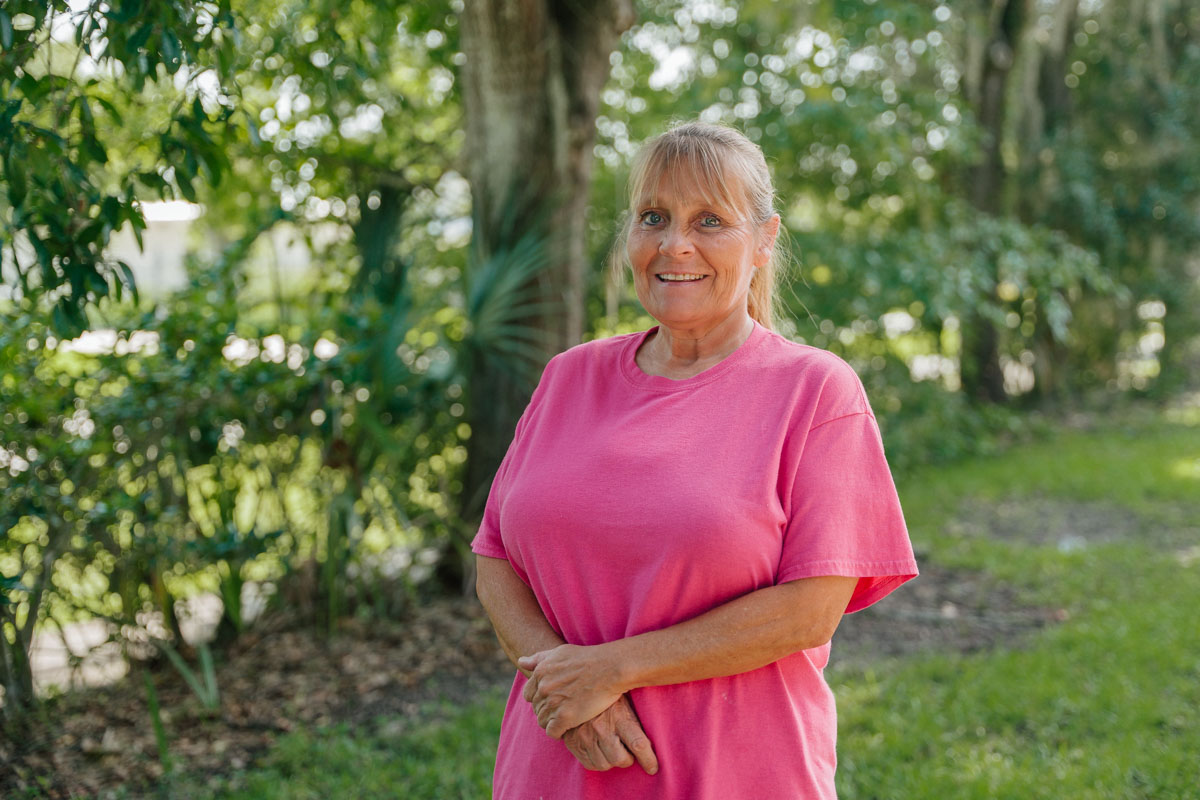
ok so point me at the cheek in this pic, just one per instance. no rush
(732, 253)
(640, 249)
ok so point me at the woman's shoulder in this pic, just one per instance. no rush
(820, 376)
(779, 352)
(597, 353)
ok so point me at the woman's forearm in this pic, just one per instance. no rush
(571, 683)
(742, 635)
(513, 609)
(610, 736)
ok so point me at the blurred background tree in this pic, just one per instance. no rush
(994, 206)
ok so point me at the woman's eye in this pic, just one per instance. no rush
(710, 221)
(651, 217)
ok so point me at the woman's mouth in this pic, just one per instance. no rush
(679, 277)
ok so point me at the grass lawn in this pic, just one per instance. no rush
(1105, 704)
(450, 757)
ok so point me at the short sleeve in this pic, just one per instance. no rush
(487, 541)
(845, 517)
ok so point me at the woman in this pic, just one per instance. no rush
(683, 517)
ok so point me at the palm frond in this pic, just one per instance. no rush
(506, 304)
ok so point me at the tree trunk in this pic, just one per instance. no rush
(531, 93)
(987, 88)
(1049, 113)
(1054, 95)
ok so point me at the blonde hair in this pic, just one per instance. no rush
(713, 154)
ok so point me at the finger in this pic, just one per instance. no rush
(584, 757)
(581, 742)
(638, 743)
(614, 751)
(554, 726)
(530, 689)
(599, 761)
(530, 662)
(594, 761)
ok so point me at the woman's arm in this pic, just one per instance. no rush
(520, 625)
(611, 738)
(570, 684)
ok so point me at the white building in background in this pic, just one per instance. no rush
(159, 266)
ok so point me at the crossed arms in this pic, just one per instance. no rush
(579, 693)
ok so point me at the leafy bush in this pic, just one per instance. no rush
(203, 452)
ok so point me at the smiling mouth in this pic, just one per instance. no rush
(679, 277)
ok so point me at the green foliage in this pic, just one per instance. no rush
(160, 733)
(64, 198)
(202, 453)
(1125, 181)
(923, 423)
(867, 117)
(204, 685)
(350, 104)
(503, 295)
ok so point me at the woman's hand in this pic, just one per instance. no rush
(613, 739)
(569, 685)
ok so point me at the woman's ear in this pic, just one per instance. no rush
(768, 232)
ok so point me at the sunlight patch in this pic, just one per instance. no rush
(1186, 468)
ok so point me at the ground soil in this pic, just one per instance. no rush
(945, 610)
(283, 676)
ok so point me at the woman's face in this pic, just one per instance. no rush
(693, 260)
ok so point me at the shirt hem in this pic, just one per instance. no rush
(850, 569)
(489, 551)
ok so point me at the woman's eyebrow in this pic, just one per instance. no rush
(704, 205)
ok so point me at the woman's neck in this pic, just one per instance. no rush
(683, 353)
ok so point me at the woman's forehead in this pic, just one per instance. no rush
(691, 186)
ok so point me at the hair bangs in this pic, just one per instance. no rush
(686, 164)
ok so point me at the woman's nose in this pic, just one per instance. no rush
(675, 242)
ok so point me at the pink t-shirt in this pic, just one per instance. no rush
(630, 502)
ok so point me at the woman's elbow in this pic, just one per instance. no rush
(485, 581)
(823, 633)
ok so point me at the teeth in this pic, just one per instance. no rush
(679, 276)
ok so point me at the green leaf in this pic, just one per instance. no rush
(17, 187)
(112, 110)
(252, 129)
(6, 30)
(95, 282)
(85, 114)
(94, 148)
(63, 322)
(44, 258)
(138, 39)
(9, 112)
(126, 278)
(32, 88)
(12, 584)
(185, 187)
(171, 52)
